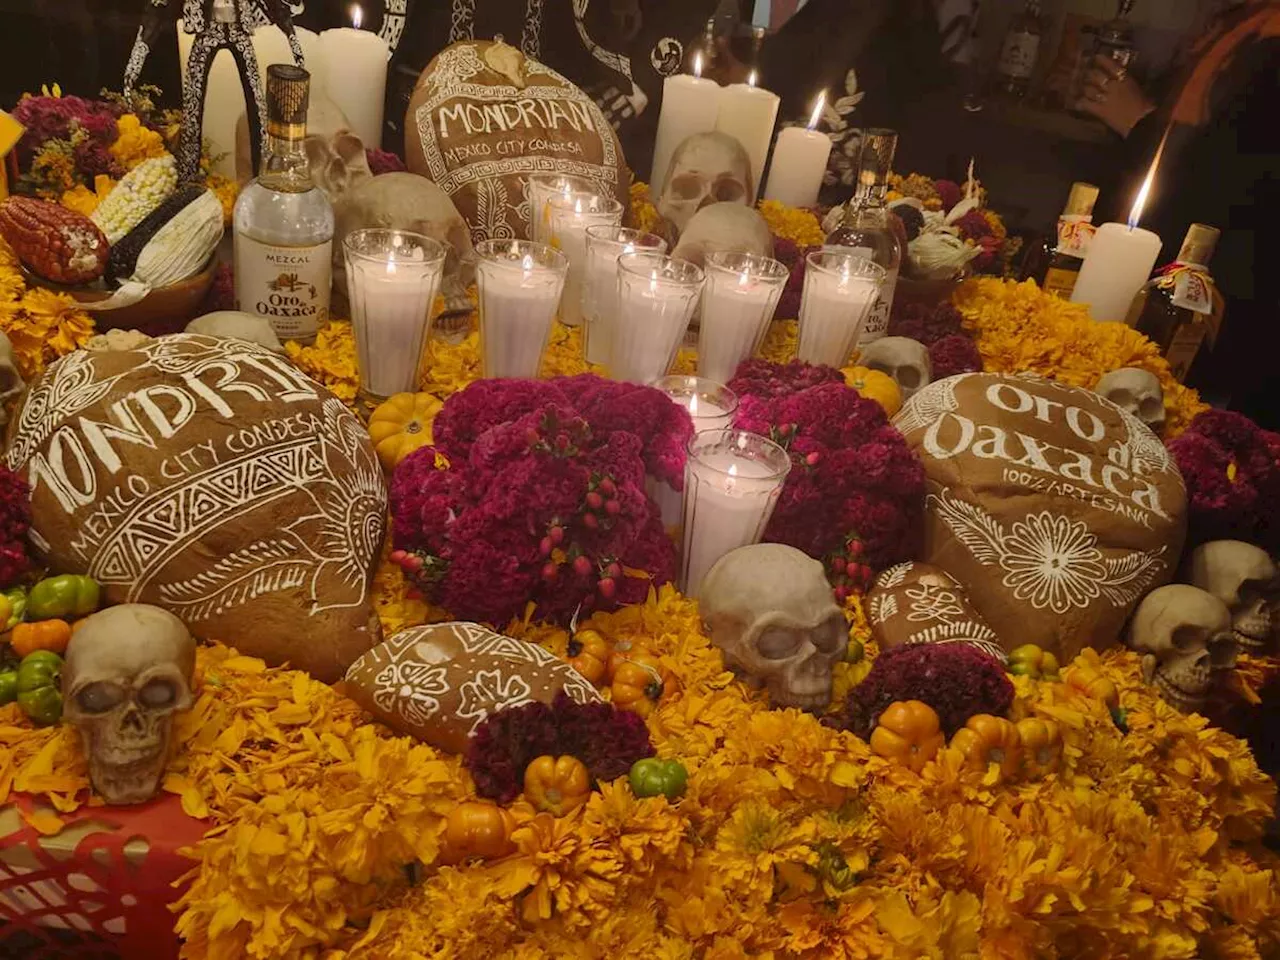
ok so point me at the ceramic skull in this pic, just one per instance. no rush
(237, 325)
(1184, 635)
(769, 609)
(706, 168)
(1244, 578)
(903, 359)
(1136, 390)
(724, 227)
(406, 201)
(128, 671)
(11, 382)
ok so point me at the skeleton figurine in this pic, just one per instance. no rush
(1136, 390)
(706, 168)
(903, 359)
(769, 609)
(1244, 578)
(217, 25)
(1184, 636)
(128, 671)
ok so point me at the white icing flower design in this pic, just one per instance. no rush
(410, 689)
(489, 691)
(932, 603)
(1053, 562)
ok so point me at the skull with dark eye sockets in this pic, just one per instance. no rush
(769, 608)
(128, 671)
(706, 168)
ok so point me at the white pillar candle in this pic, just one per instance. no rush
(519, 284)
(359, 81)
(544, 186)
(270, 46)
(738, 300)
(1118, 264)
(732, 481)
(570, 216)
(748, 114)
(690, 104)
(840, 289)
(799, 163)
(656, 297)
(605, 243)
(392, 280)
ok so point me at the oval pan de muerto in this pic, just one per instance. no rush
(1056, 510)
(484, 118)
(212, 478)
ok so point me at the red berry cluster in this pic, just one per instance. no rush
(600, 509)
(558, 439)
(848, 571)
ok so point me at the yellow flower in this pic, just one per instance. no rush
(135, 143)
(227, 190)
(643, 213)
(83, 200)
(792, 223)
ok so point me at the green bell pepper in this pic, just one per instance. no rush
(63, 598)
(39, 687)
(8, 686)
(17, 597)
(652, 777)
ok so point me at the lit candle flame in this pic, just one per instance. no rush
(817, 109)
(577, 206)
(731, 483)
(752, 78)
(527, 263)
(697, 64)
(693, 405)
(1140, 201)
(357, 15)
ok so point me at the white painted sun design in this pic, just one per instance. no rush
(1052, 561)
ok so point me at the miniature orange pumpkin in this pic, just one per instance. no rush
(638, 682)
(476, 829)
(985, 740)
(51, 635)
(401, 425)
(1091, 683)
(909, 732)
(557, 785)
(875, 385)
(1041, 745)
(588, 653)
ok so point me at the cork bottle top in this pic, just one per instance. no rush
(288, 92)
(1081, 200)
(1200, 242)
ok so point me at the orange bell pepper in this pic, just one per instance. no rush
(985, 740)
(908, 732)
(557, 785)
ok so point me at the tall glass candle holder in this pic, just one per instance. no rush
(392, 280)
(738, 301)
(712, 406)
(732, 481)
(544, 186)
(571, 214)
(605, 244)
(656, 297)
(519, 283)
(839, 291)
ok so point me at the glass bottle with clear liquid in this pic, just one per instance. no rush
(865, 227)
(284, 222)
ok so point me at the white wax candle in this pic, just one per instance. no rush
(707, 415)
(738, 301)
(600, 283)
(689, 105)
(748, 114)
(393, 319)
(728, 502)
(359, 79)
(518, 300)
(270, 46)
(571, 215)
(653, 314)
(670, 503)
(542, 187)
(1119, 262)
(834, 306)
(799, 164)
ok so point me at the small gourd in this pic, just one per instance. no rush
(588, 653)
(1041, 745)
(875, 385)
(476, 829)
(908, 732)
(401, 425)
(638, 682)
(985, 740)
(557, 785)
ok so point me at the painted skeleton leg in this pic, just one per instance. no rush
(255, 98)
(199, 62)
(278, 11)
(148, 31)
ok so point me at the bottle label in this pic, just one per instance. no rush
(1018, 55)
(1191, 290)
(1061, 281)
(1183, 348)
(287, 285)
(878, 320)
(1075, 233)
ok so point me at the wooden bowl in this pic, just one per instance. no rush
(163, 310)
(930, 293)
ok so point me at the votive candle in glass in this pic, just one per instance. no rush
(840, 288)
(712, 406)
(571, 214)
(392, 280)
(519, 283)
(738, 301)
(732, 481)
(605, 243)
(544, 186)
(656, 297)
